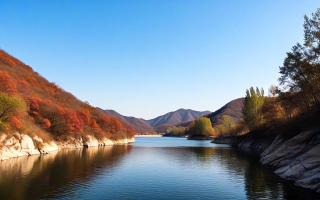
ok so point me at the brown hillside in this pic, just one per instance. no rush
(233, 109)
(176, 117)
(139, 126)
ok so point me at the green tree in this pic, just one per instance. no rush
(300, 73)
(201, 126)
(178, 131)
(252, 105)
(227, 122)
(10, 106)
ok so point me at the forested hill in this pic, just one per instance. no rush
(139, 126)
(157, 124)
(32, 105)
(232, 109)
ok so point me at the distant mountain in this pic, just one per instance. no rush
(159, 124)
(181, 117)
(233, 109)
(138, 125)
(185, 123)
(176, 117)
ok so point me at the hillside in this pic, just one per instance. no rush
(31, 105)
(233, 109)
(158, 124)
(176, 117)
(140, 126)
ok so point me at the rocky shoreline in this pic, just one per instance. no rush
(296, 159)
(17, 145)
(200, 137)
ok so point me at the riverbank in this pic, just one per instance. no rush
(200, 137)
(148, 135)
(17, 145)
(295, 159)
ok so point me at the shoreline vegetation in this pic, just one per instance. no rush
(152, 135)
(285, 125)
(37, 116)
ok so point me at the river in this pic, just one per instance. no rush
(150, 168)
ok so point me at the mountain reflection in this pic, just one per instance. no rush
(32, 176)
(141, 171)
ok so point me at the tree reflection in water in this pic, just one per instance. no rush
(149, 169)
(31, 177)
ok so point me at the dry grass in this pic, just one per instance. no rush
(33, 130)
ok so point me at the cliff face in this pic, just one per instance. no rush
(17, 145)
(296, 159)
(246, 141)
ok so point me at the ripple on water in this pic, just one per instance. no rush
(151, 168)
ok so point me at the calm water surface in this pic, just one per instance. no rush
(150, 168)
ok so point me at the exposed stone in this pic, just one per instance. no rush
(27, 145)
(17, 145)
(296, 159)
(90, 141)
(49, 147)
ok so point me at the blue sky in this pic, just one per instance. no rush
(146, 58)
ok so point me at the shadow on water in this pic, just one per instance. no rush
(260, 181)
(149, 169)
(64, 171)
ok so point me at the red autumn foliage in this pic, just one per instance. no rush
(84, 115)
(7, 84)
(130, 132)
(116, 125)
(72, 121)
(7, 127)
(50, 106)
(32, 80)
(28, 67)
(33, 104)
(93, 124)
(7, 59)
(104, 122)
(63, 120)
(16, 122)
(23, 83)
(45, 122)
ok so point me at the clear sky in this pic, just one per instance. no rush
(146, 58)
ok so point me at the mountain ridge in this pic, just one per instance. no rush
(232, 108)
(144, 126)
(176, 117)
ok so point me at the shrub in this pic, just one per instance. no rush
(201, 126)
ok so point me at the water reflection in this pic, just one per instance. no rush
(260, 182)
(157, 168)
(34, 176)
(240, 165)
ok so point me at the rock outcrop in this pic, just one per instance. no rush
(17, 145)
(296, 159)
(246, 141)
